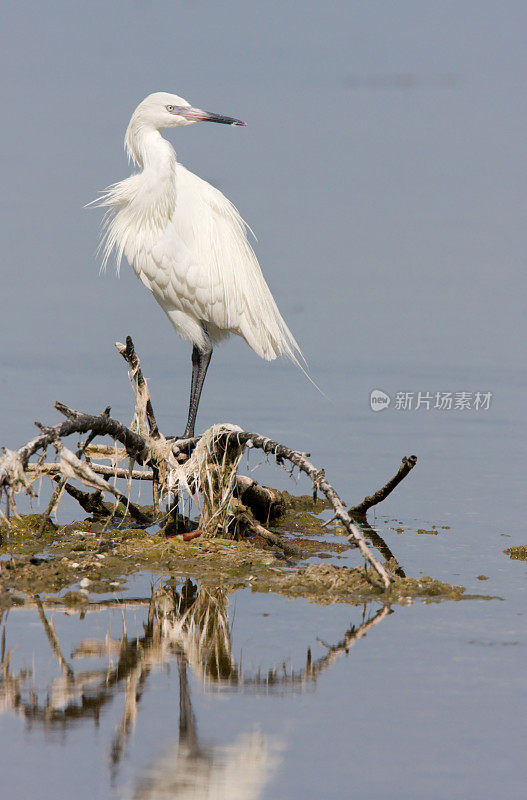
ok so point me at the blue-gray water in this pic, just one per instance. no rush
(383, 172)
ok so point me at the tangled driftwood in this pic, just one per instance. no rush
(203, 466)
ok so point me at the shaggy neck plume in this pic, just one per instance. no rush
(143, 204)
(154, 191)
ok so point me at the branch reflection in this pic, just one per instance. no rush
(182, 623)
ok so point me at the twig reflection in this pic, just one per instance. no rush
(185, 623)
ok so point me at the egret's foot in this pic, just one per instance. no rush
(187, 537)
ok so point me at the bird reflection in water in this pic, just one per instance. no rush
(186, 623)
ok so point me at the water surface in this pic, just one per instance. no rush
(383, 172)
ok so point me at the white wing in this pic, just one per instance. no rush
(221, 275)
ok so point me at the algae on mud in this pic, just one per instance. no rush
(518, 553)
(83, 556)
(325, 584)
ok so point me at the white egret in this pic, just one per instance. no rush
(188, 244)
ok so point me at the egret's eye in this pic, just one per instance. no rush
(170, 108)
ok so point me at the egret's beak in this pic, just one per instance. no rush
(197, 115)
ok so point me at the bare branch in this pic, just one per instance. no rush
(265, 503)
(77, 422)
(53, 503)
(251, 527)
(53, 468)
(91, 502)
(407, 465)
(136, 376)
(58, 490)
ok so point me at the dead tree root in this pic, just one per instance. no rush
(233, 505)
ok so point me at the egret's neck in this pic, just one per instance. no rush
(147, 148)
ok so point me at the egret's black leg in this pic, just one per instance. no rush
(196, 357)
(200, 363)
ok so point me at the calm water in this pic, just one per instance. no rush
(383, 171)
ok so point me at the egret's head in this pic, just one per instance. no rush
(164, 110)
